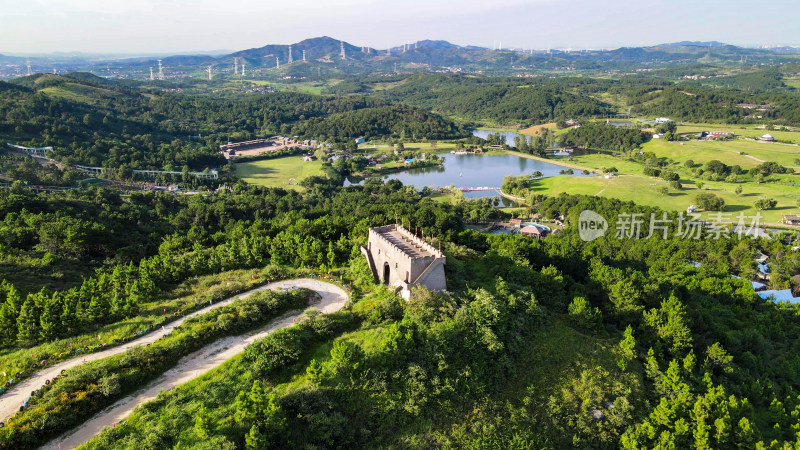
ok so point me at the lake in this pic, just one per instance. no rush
(475, 171)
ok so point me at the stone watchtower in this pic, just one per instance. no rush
(399, 259)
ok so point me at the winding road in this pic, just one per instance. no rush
(332, 299)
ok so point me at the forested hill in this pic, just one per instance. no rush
(499, 99)
(507, 100)
(553, 343)
(97, 122)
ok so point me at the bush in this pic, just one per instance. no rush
(765, 203)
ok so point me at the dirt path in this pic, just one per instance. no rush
(191, 366)
(11, 401)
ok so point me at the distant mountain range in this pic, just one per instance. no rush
(694, 44)
(324, 55)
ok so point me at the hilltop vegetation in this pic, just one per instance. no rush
(540, 343)
(93, 122)
(553, 343)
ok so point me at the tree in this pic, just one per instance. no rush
(28, 322)
(202, 423)
(315, 371)
(719, 358)
(255, 439)
(583, 314)
(710, 202)
(627, 349)
(671, 323)
(738, 190)
(700, 185)
(331, 254)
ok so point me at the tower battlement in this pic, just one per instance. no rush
(398, 258)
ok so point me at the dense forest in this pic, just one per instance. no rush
(120, 128)
(652, 342)
(536, 100)
(642, 335)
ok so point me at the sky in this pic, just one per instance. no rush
(183, 26)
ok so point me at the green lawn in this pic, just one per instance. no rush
(645, 191)
(284, 172)
(741, 130)
(728, 152)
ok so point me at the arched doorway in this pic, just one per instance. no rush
(386, 273)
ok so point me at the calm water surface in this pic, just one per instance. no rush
(475, 171)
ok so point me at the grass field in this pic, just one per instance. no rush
(283, 172)
(634, 186)
(749, 131)
(77, 93)
(728, 152)
(537, 129)
(308, 87)
(645, 191)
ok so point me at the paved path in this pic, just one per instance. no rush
(332, 299)
(13, 398)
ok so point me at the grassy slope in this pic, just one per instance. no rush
(556, 355)
(741, 130)
(77, 93)
(634, 186)
(278, 172)
(645, 191)
(728, 152)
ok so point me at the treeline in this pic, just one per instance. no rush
(388, 121)
(182, 237)
(538, 100)
(504, 100)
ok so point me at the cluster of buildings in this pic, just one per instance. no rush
(754, 106)
(529, 229)
(257, 147)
